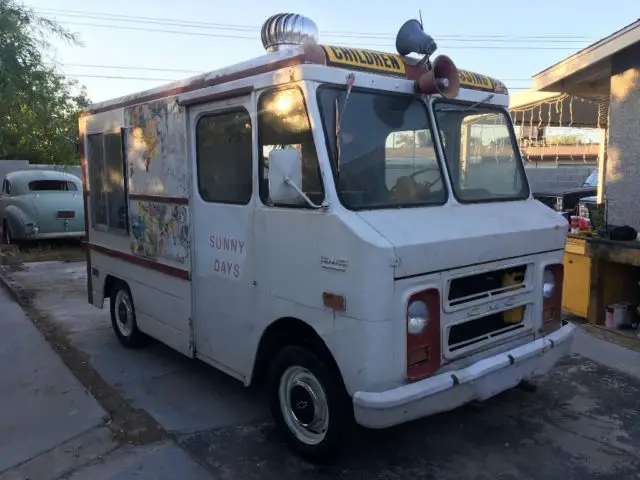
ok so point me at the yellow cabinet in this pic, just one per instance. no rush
(576, 290)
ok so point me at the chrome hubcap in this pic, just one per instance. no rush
(124, 313)
(304, 405)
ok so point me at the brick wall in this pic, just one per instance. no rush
(557, 177)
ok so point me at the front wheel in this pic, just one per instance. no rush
(123, 317)
(308, 403)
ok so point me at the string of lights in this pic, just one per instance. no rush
(546, 109)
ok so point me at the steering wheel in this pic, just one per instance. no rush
(427, 169)
(407, 188)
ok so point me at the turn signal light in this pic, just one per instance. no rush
(552, 298)
(423, 334)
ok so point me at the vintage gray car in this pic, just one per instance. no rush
(41, 204)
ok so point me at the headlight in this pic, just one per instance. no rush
(548, 284)
(417, 317)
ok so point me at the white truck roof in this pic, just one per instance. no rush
(332, 57)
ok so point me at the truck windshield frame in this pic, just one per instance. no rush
(489, 169)
(374, 125)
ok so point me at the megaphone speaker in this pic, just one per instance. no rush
(443, 78)
(411, 38)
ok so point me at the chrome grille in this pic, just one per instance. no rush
(486, 285)
(480, 329)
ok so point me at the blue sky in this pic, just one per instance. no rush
(465, 30)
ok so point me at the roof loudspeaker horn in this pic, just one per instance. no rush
(412, 38)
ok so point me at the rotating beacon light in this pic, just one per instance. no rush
(442, 76)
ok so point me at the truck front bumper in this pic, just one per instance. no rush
(449, 390)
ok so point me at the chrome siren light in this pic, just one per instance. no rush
(286, 30)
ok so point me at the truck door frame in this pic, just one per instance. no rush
(224, 320)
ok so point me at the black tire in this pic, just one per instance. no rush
(340, 408)
(123, 319)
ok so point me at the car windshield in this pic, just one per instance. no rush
(481, 153)
(385, 156)
(52, 186)
(592, 180)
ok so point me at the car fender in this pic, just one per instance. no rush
(16, 220)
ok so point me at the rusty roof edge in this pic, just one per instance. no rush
(194, 82)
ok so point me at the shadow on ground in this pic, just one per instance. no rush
(581, 423)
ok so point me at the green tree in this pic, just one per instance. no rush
(563, 140)
(38, 106)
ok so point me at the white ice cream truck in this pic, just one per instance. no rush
(352, 227)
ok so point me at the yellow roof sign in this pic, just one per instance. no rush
(476, 81)
(361, 59)
(393, 64)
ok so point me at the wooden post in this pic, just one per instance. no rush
(602, 164)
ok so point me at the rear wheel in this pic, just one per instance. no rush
(123, 317)
(309, 405)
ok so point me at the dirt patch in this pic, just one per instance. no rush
(41, 251)
(128, 424)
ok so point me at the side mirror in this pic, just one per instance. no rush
(285, 176)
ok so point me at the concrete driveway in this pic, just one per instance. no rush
(581, 423)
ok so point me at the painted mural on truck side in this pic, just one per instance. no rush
(156, 144)
(160, 231)
(156, 141)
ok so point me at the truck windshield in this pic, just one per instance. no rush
(481, 154)
(386, 157)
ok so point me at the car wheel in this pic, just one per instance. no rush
(123, 317)
(309, 405)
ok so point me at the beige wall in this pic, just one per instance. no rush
(622, 186)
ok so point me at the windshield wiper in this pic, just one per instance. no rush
(473, 106)
(339, 113)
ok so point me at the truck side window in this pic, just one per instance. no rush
(107, 188)
(283, 122)
(224, 157)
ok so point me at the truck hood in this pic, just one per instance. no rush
(433, 239)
